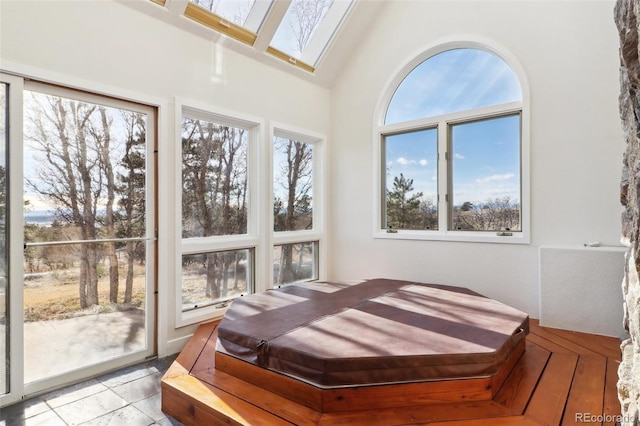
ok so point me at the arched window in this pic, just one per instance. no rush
(451, 149)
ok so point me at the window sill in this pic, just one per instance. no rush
(454, 236)
(198, 315)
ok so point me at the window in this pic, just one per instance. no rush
(296, 31)
(453, 151)
(295, 254)
(218, 238)
(292, 185)
(295, 263)
(88, 226)
(77, 218)
(306, 30)
(215, 277)
(411, 182)
(485, 166)
(240, 20)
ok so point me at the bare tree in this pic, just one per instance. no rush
(239, 15)
(296, 181)
(214, 177)
(79, 174)
(495, 214)
(308, 15)
(3, 219)
(59, 130)
(102, 136)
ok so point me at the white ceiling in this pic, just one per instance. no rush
(339, 51)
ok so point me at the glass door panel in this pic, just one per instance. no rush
(4, 263)
(86, 257)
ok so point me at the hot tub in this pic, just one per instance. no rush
(379, 331)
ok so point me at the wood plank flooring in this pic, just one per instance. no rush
(562, 378)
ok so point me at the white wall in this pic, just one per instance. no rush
(567, 49)
(588, 277)
(109, 47)
(569, 52)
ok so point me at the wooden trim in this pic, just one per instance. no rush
(418, 414)
(207, 405)
(493, 421)
(515, 393)
(581, 343)
(219, 24)
(549, 399)
(543, 387)
(498, 379)
(289, 59)
(611, 404)
(284, 386)
(160, 2)
(191, 352)
(587, 388)
(359, 397)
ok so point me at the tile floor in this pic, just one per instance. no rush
(127, 397)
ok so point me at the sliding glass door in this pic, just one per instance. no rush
(4, 258)
(86, 230)
(81, 244)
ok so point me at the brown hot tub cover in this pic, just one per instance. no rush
(377, 331)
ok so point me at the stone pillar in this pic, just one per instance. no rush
(627, 16)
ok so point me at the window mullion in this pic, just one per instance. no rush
(444, 175)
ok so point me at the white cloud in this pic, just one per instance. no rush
(494, 178)
(404, 162)
(458, 156)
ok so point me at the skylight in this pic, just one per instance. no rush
(306, 30)
(240, 19)
(299, 35)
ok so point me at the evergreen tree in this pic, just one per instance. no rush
(131, 215)
(403, 207)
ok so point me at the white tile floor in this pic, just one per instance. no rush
(130, 397)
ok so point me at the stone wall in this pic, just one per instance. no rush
(627, 16)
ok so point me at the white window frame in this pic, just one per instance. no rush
(443, 123)
(317, 232)
(21, 79)
(15, 325)
(197, 245)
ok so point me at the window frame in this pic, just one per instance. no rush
(14, 325)
(225, 26)
(443, 123)
(317, 232)
(216, 243)
(320, 40)
(21, 79)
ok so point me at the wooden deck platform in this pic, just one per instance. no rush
(563, 378)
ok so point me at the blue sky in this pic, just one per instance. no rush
(414, 155)
(454, 80)
(485, 154)
(486, 160)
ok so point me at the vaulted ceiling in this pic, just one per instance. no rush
(311, 39)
